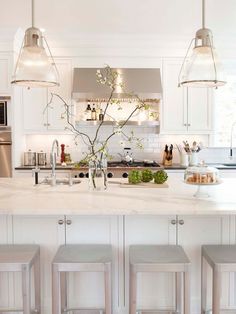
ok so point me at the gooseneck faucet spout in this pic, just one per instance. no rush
(53, 159)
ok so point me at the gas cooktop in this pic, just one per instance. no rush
(114, 164)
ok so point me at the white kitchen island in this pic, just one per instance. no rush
(50, 216)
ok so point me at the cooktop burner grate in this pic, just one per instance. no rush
(133, 164)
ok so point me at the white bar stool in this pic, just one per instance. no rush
(161, 258)
(221, 258)
(80, 258)
(21, 258)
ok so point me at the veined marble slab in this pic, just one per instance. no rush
(20, 196)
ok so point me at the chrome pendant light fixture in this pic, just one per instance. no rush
(202, 68)
(35, 66)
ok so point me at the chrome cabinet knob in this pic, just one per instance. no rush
(181, 222)
(60, 222)
(173, 222)
(68, 222)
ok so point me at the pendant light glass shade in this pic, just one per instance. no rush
(35, 66)
(200, 70)
(203, 68)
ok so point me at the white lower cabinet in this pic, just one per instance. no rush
(193, 232)
(45, 231)
(5, 292)
(86, 290)
(155, 291)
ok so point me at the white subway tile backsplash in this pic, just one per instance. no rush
(153, 145)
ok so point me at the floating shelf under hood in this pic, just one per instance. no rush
(146, 83)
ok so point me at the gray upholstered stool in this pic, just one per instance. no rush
(80, 258)
(161, 258)
(221, 258)
(21, 258)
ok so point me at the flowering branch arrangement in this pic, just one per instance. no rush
(97, 147)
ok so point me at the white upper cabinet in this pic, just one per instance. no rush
(184, 110)
(174, 108)
(199, 109)
(55, 120)
(5, 74)
(34, 109)
(38, 118)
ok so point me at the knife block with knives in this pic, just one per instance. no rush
(168, 155)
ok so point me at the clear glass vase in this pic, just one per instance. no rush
(98, 173)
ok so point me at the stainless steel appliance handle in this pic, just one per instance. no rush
(5, 143)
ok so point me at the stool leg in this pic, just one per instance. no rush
(203, 286)
(26, 289)
(187, 292)
(56, 291)
(216, 292)
(37, 284)
(133, 291)
(108, 289)
(179, 292)
(63, 290)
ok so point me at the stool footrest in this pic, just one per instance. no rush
(232, 310)
(7, 310)
(84, 310)
(158, 311)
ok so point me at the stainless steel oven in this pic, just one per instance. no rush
(5, 152)
(3, 113)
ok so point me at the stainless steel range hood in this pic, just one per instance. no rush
(146, 83)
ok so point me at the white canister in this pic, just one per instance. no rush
(184, 160)
(193, 159)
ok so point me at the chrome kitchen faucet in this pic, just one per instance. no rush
(231, 140)
(53, 160)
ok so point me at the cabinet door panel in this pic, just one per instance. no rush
(199, 109)
(34, 103)
(5, 75)
(174, 113)
(155, 291)
(4, 277)
(45, 231)
(204, 230)
(55, 117)
(87, 289)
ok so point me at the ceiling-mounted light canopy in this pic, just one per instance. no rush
(35, 66)
(202, 68)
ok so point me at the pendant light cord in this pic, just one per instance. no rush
(32, 12)
(203, 13)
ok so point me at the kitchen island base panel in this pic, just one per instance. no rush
(154, 290)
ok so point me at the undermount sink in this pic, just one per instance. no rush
(62, 181)
(229, 165)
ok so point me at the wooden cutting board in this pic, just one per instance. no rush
(143, 185)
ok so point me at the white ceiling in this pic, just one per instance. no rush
(71, 18)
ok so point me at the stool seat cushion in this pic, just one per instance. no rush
(157, 254)
(220, 254)
(83, 253)
(18, 253)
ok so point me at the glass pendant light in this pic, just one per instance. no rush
(35, 67)
(202, 68)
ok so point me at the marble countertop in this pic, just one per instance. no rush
(20, 196)
(173, 167)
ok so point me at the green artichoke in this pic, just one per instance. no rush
(135, 177)
(147, 175)
(160, 177)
